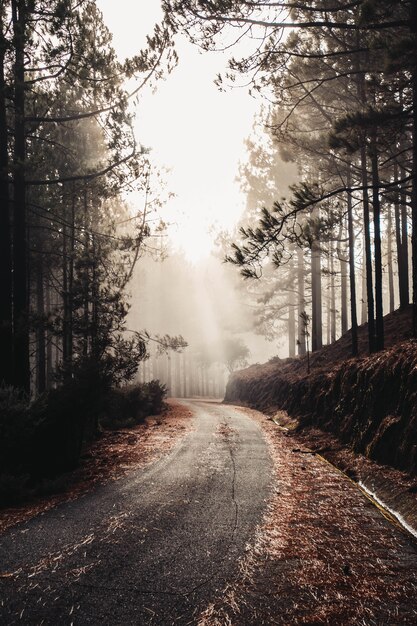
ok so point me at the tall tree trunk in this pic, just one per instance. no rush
(21, 367)
(361, 89)
(5, 231)
(352, 279)
(291, 318)
(364, 298)
(301, 340)
(65, 347)
(49, 366)
(181, 373)
(414, 171)
(328, 302)
(86, 286)
(95, 301)
(390, 268)
(177, 371)
(204, 380)
(68, 246)
(193, 375)
(341, 253)
(316, 298)
(70, 329)
(368, 253)
(332, 298)
(40, 331)
(398, 242)
(186, 381)
(169, 376)
(379, 326)
(404, 241)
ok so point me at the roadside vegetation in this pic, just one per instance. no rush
(42, 441)
(69, 241)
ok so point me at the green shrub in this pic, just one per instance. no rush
(130, 405)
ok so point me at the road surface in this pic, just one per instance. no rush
(152, 548)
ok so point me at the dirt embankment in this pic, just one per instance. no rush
(369, 403)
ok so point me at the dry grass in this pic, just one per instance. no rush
(323, 554)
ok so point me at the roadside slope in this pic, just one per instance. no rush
(323, 554)
(369, 403)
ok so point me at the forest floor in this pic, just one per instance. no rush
(111, 456)
(323, 554)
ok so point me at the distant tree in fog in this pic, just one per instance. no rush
(235, 353)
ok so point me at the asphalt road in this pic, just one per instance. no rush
(151, 548)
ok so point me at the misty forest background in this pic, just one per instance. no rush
(95, 307)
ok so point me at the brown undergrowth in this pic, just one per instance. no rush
(113, 455)
(322, 555)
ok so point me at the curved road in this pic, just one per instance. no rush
(151, 548)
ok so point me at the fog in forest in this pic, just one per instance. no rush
(206, 185)
(178, 290)
(202, 303)
(186, 193)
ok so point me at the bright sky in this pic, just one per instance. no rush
(193, 129)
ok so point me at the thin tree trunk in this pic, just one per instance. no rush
(379, 326)
(86, 315)
(169, 376)
(49, 367)
(67, 286)
(316, 298)
(177, 375)
(389, 260)
(40, 331)
(404, 242)
(341, 253)
(186, 382)
(291, 323)
(328, 302)
(364, 299)
(94, 297)
(398, 242)
(70, 329)
(352, 280)
(368, 254)
(332, 298)
(414, 171)
(361, 88)
(6, 340)
(301, 340)
(65, 348)
(21, 366)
